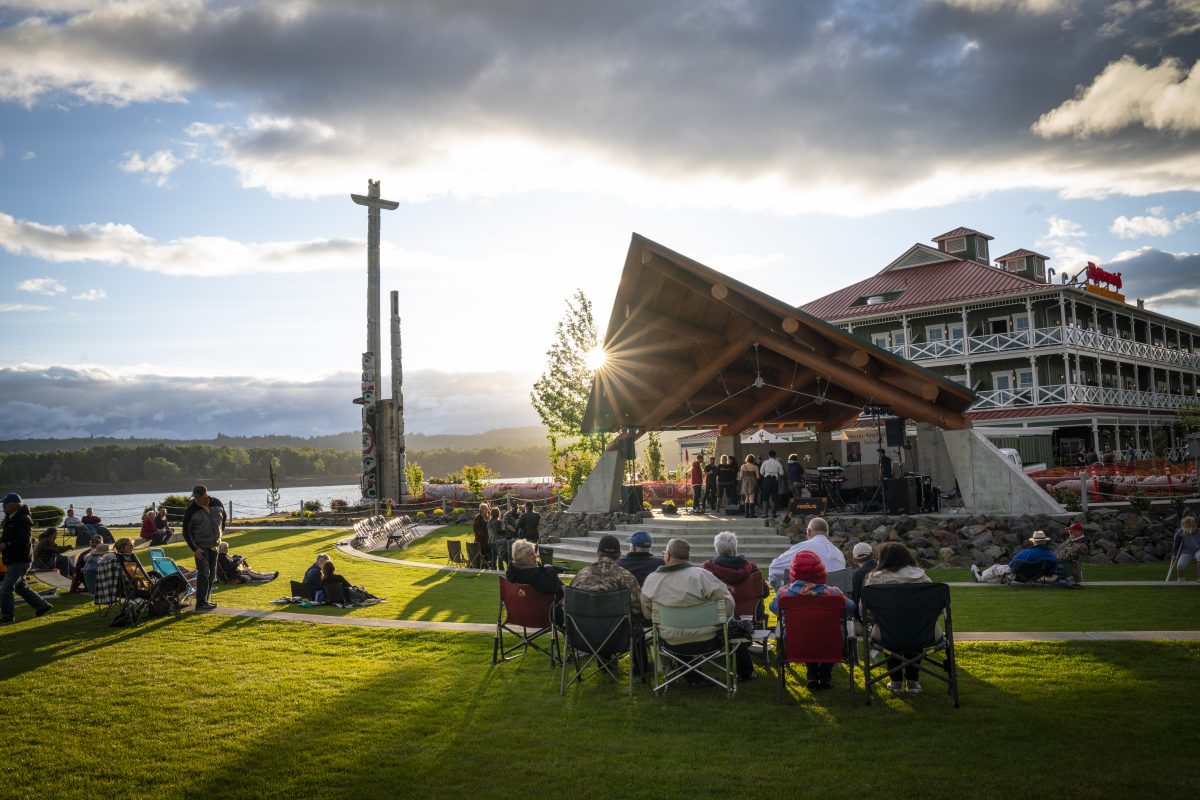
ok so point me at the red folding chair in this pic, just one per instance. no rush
(528, 615)
(748, 602)
(813, 630)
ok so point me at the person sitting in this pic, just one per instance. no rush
(817, 542)
(162, 529)
(1185, 547)
(639, 561)
(733, 569)
(605, 574)
(312, 578)
(91, 563)
(149, 529)
(864, 560)
(48, 555)
(89, 518)
(1070, 553)
(78, 583)
(1038, 553)
(681, 584)
(235, 569)
(808, 575)
(525, 569)
(71, 522)
(352, 594)
(897, 564)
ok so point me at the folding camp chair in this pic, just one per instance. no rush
(842, 579)
(670, 665)
(528, 615)
(454, 552)
(1031, 573)
(597, 630)
(813, 629)
(134, 588)
(476, 557)
(902, 620)
(748, 602)
(164, 566)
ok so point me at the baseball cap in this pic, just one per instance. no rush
(199, 489)
(12, 497)
(1074, 526)
(609, 544)
(862, 550)
(641, 539)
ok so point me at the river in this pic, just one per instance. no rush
(117, 509)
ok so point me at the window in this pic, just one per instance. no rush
(898, 339)
(998, 325)
(981, 249)
(1020, 322)
(961, 380)
(957, 331)
(1002, 381)
(880, 340)
(1016, 264)
(956, 245)
(935, 333)
(1024, 379)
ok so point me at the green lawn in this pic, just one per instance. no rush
(213, 707)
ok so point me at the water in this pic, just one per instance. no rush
(117, 509)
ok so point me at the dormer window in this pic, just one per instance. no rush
(956, 245)
(878, 298)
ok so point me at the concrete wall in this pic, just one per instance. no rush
(932, 458)
(601, 492)
(990, 483)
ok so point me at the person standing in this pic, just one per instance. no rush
(203, 524)
(748, 475)
(16, 545)
(726, 480)
(772, 473)
(710, 483)
(795, 476)
(527, 525)
(479, 528)
(697, 483)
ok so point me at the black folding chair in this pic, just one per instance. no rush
(902, 620)
(138, 593)
(598, 630)
(1031, 573)
(454, 552)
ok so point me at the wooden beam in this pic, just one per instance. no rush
(871, 388)
(693, 384)
(770, 398)
(700, 336)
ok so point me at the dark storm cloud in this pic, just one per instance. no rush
(876, 93)
(1163, 279)
(65, 402)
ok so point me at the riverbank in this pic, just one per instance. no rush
(179, 486)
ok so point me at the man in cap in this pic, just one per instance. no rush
(606, 574)
(681, 584)
(863, 556)
(1070, 553)
(817, 542)
(15, 547)
(203, 524)
(639, 561)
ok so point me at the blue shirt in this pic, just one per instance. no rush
(1039, 552)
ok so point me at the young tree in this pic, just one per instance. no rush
(560, 396)
(414, 477)
(1189, 414)
(273, 491)
(655, 469)
(474, 475)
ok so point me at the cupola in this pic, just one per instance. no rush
(965, 243)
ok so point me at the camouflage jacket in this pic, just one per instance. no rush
(605, 575)
(1073, 549)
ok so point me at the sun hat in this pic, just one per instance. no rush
(807, 566)
(1039, 537)
(862, 550)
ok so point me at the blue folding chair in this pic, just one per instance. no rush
(164, 565)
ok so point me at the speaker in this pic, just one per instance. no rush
(895, 431)
(631, 498)
(902, 495)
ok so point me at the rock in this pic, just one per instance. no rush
(982, 540)
(1106, 545)
(1124, 558)
(946, 555)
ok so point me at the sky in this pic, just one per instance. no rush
(179, 255)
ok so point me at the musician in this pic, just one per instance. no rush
(885, 464)
(830, 461)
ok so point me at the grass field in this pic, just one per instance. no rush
(217, 707)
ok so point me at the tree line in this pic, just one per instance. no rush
(159, 462)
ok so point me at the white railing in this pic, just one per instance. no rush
(1057, 336)
(1062, 394)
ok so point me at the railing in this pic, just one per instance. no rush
(1058, 336)
(1062, 394)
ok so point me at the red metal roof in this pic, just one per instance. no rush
(1019, 253)
(993, 414)
(929, 285)
(961, 232)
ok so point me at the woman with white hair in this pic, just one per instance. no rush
(744, 580)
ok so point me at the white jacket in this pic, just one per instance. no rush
(684, 585)
(819, 544)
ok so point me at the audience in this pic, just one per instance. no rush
(1038, 552)
(162, 529)
(479, 527)
(525, 569)
(527, 524)
(639, 561)
(48, 555)
(496, 546)
(897, 564)
(817, 542)
(1070, 553)
(312, 578)
(78, 583)
(733, 569)
(864, 562)
(90, 563)
(808, 575)
(16, 545)
(149, 528)
(235, 569)
(681, 584)
(605, 574)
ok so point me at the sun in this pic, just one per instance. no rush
(595, 358)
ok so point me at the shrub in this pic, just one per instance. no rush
(437, 512)
(312, 505)
(1068, 498)
(175, 504)
(420, 515)
(1139, 502)
(691, 503)
(645, 506)
(668, 504)
(47, 516)
(337, 504)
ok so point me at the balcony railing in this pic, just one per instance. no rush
(1071, 394)
(1058, 336)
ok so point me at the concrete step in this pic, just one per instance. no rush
(760, 547)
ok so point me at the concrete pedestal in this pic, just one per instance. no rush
(991, 483)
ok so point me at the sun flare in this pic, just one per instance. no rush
(595, 358)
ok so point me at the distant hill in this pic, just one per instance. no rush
(498, 438)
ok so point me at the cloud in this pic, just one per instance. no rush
(8, 308)
(1164, 279)
(1162, 98)
(28, 155)
(46, 286)
(91, 294)
(115, 243)
(60, 401)
(157, 166)
(1063, 242)
(787, 108)
(1152, 224)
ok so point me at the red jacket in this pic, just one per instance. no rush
(697, 473)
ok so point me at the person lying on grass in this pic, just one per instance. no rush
(235, 569)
